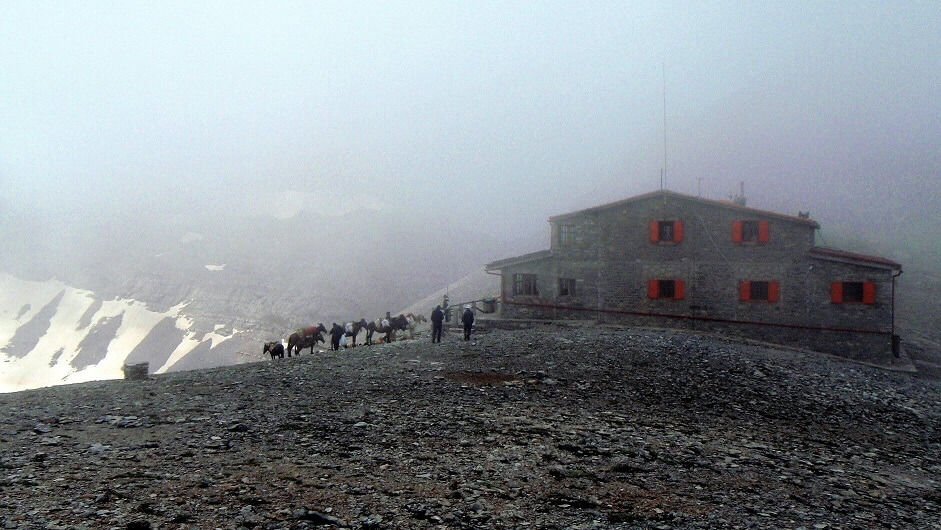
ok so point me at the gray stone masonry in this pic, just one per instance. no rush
(612, 259)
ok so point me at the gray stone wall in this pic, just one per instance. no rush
(612, 260)
(622, 233)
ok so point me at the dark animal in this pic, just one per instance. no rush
(399, 323)
(275, 349)
(306, 338)
(371, 328)
(395, 324)
(357, 327)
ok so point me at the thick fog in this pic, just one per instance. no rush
(490, 115)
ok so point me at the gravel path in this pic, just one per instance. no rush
(551, 427)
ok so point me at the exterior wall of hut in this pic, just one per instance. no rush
(610, 256)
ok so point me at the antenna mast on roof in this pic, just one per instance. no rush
(663, 172)
(740, 197)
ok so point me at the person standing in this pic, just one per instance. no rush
(468, 319)
(335, 333)
(386, 326)
(437, 323)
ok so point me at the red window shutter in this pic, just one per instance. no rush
(653, 288)
(677, 231)
(654, 231)
(737, 231)
(774, 291)
(763, 232)
(836, 292)
(678, 289)
(869, 292)
(744, 291)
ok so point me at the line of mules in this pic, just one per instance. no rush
(311, 336)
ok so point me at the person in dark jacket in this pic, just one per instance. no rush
(437, 322)
(468, 319)
(335, 333)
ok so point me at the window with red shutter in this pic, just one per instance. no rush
(750, 232)
(836, 292)
(737, 231)
(666, 232)
(774, 291)
(763, 232)
(869, 292)
(853, 292)
(666, 289)
(758, 291)
(678, 289)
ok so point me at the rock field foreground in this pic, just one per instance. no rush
(551, 427)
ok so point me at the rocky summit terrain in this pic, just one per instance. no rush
(546, 427)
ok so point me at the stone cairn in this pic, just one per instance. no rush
(136, 372)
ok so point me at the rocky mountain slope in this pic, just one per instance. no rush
(199, 290)
(551, 427)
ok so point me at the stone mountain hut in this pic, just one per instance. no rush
(666, 259)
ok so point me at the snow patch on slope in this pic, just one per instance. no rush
(51, 333)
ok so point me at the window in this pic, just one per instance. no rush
(759, 291)
(665, 289)
(666, 231)
(526, 284)
(853, 292)
(750, 232)
(566, 235)
(566, 286)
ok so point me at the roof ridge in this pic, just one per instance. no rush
(716, 202)
(846, 254)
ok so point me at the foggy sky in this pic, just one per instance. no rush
(497, 111)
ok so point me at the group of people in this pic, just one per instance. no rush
(338, 333)
(437, 323)
(344, 335)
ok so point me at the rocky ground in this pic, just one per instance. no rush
(550, 427)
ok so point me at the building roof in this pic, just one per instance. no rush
(525, 258)
(852, 257)
(667, 193)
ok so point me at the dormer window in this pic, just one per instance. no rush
(666, 231)
(566, 235)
